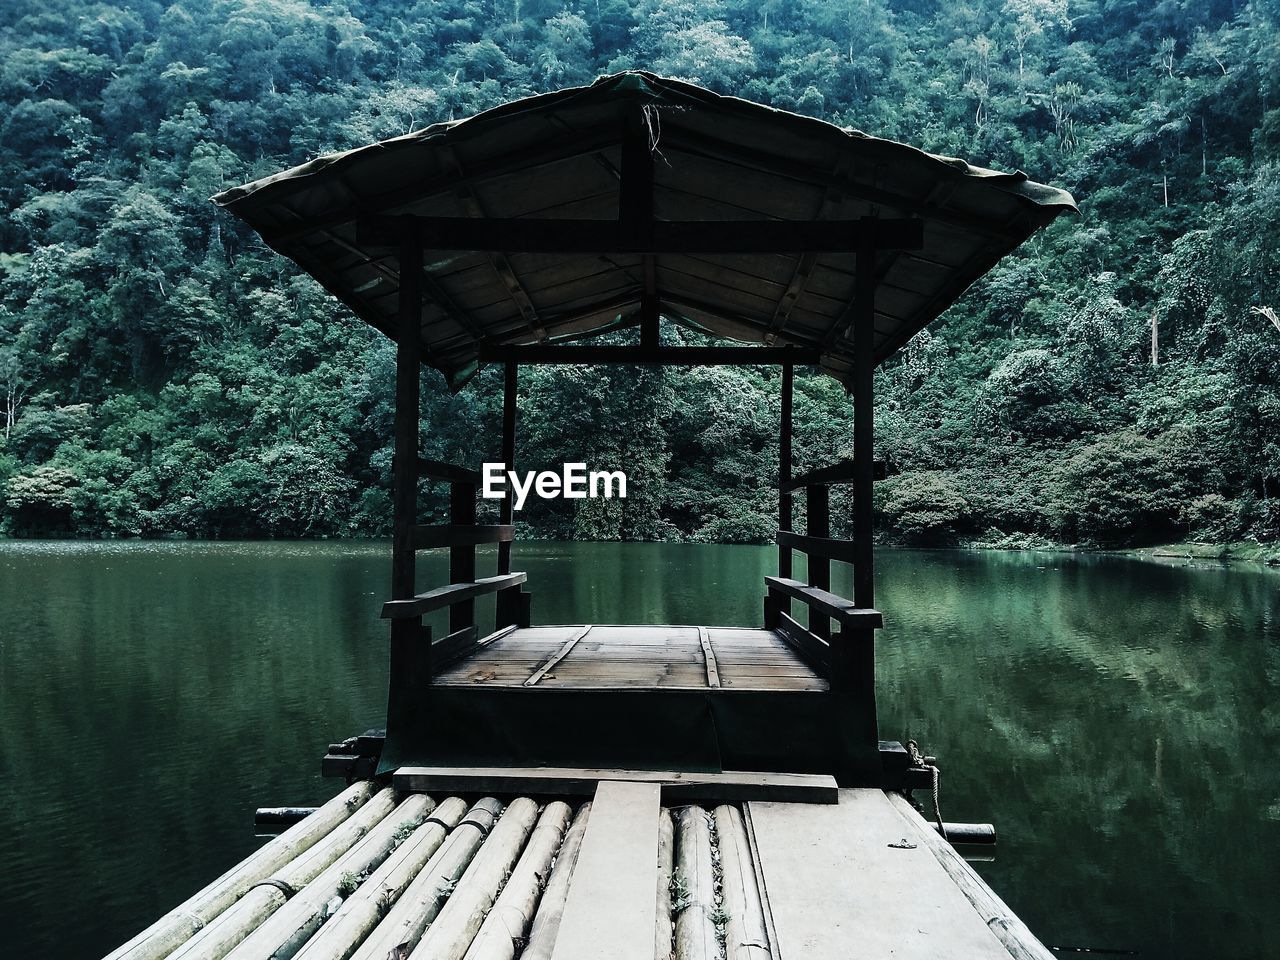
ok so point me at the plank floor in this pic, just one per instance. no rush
(581, 656)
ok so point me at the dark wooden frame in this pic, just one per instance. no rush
(846, 655)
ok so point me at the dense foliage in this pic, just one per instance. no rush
(162, 372)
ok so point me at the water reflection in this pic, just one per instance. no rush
(1116, 719)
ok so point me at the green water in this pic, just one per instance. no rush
(1116, 719)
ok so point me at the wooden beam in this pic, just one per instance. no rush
(849, 615)
(839, 875)
(864, 443)
(556, 657)
(510, 378)
(818, 524)
(709, 658)
(843, 472)
(665, 356)
(594, 237)
(611, 910)
(784, 467)
(439, 470)
(466, 194)
(815, 651)
(446, 596)
(1007, 927)
(456, 535)
(454, 647)
(828, 548)
(729, 786)
(462, 554)
(404, 494)
(831, 200)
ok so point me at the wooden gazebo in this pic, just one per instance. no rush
(514, 236)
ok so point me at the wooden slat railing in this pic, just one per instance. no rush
(815, 643)
(842, 472)
(461, 535)
(449, 596)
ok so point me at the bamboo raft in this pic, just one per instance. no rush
(389, 873)
(576, 792)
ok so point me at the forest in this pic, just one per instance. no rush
(1115, 382)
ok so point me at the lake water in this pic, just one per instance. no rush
(1118, 720)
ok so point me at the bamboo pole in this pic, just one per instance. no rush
(745, 936)
(662, 939)
(421, 900)
(459, 919)
(269, 894)
(186, 920)
(289, 928)
(546, 923)
(695, 888)
(508, 922)
(355, 919)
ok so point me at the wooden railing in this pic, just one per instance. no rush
(814, 643)
(462, 535)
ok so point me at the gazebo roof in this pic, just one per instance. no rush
(715, 158)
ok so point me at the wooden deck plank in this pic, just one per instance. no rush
(730, 786)
(708, 654)
(612, 908)
(837, 889)
(559, 655)
(659, 656)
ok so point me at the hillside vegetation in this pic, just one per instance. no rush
(162, 372)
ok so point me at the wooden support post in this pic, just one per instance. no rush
(864, 313)
(853, 650)
(407, 644)
(784, 468)
(819, 525)
(508, 601)
(635, 212)
(462, 557)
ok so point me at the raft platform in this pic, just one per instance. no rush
(643, 867)
(578, 792)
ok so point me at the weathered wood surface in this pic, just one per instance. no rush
(664, 934)
(451, 933)
(709, 657)
(446, 596)
(827, 603)
(577, 656)
(290, 927)
(745, 935)
(238, 921)
(611, 909)
(422, 900)
(546, 922)
(694, 887)
(676, 786)
(1021, 943)
(549, 664)
(813, 650)
(180, 924)
(833, 881)
(361, 912)
(506, 924)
